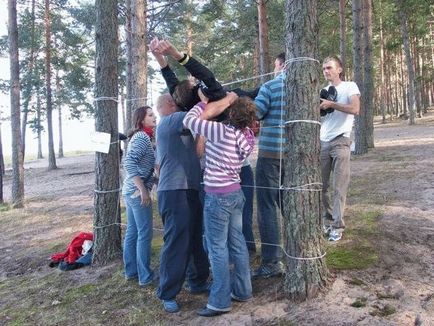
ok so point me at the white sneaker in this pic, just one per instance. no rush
(335, 235)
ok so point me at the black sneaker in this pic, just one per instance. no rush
(268, 270)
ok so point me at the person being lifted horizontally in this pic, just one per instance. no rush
(335, 145)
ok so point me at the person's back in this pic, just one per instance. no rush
(176, 155)
(270, 102)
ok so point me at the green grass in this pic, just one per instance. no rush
(4, 207)
(357, 249)
(360, 302)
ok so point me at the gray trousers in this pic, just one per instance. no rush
(335, 160)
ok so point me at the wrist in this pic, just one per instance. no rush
(183, 58)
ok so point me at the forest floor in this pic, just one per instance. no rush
(381, 272)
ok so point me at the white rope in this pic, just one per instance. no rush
(105, 98)
(286, 253)
(246, 79)
(107, 191)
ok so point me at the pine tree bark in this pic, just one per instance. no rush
(264, 56)
(129, 77)
(409, 61)
(382, 79)
(59, 109)
(361, 145)
(139, 53)
(17, 154)
(368, 77)
(29, 85)
(39, 124)
(49, 97)
(107, 236)
(302, 209)
(342, 36)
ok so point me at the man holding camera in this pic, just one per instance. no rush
(336, 125)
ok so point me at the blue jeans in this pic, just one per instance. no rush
(137, 242)
(268, 201)
(181, 213)
(246, 177)
(226, 244)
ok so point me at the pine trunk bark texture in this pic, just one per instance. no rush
(361, 146)
(129, 92)
(49, 97)
(368, 77)
(139, 56)
(264, 57)
(107, 235)
(342, 36)
(409, 62)
(302, 209)
(17, 154)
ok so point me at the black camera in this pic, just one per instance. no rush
(331, 94)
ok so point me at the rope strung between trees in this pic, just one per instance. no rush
(305, 187)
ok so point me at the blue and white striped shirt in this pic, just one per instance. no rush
(139, 161)
(270, 103)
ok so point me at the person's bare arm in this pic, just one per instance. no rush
(213, 109)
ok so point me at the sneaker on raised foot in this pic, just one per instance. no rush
(268, 270)
(335, 235)
(170, 306)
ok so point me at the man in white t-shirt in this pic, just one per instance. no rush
(336, 128)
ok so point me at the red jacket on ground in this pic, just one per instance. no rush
(73, 252)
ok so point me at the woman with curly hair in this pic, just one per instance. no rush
(227, 146)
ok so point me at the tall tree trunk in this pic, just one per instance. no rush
(49, 98)
(358, 60)
(418, 77)
(256, 67)
(264, 57)
(122, 96)
(139, 54)
(409, 61)
(368, 78)
(342, 36)
(59, 109)
(382, 80)
(39, 123)
(107, 234)
(302, 209)
(17, 154)
(28, 93)
(129, 37)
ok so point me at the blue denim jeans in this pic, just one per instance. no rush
(226, 244)
(268, 201)
(246, 176)
(137, 242)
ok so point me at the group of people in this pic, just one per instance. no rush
(205, 182)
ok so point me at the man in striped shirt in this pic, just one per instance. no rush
(270, 103)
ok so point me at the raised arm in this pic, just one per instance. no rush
(168, 75)
(214, 109)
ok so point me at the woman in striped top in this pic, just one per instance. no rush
(227, 146)
(139, 167)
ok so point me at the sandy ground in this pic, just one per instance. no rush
(402, 175)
